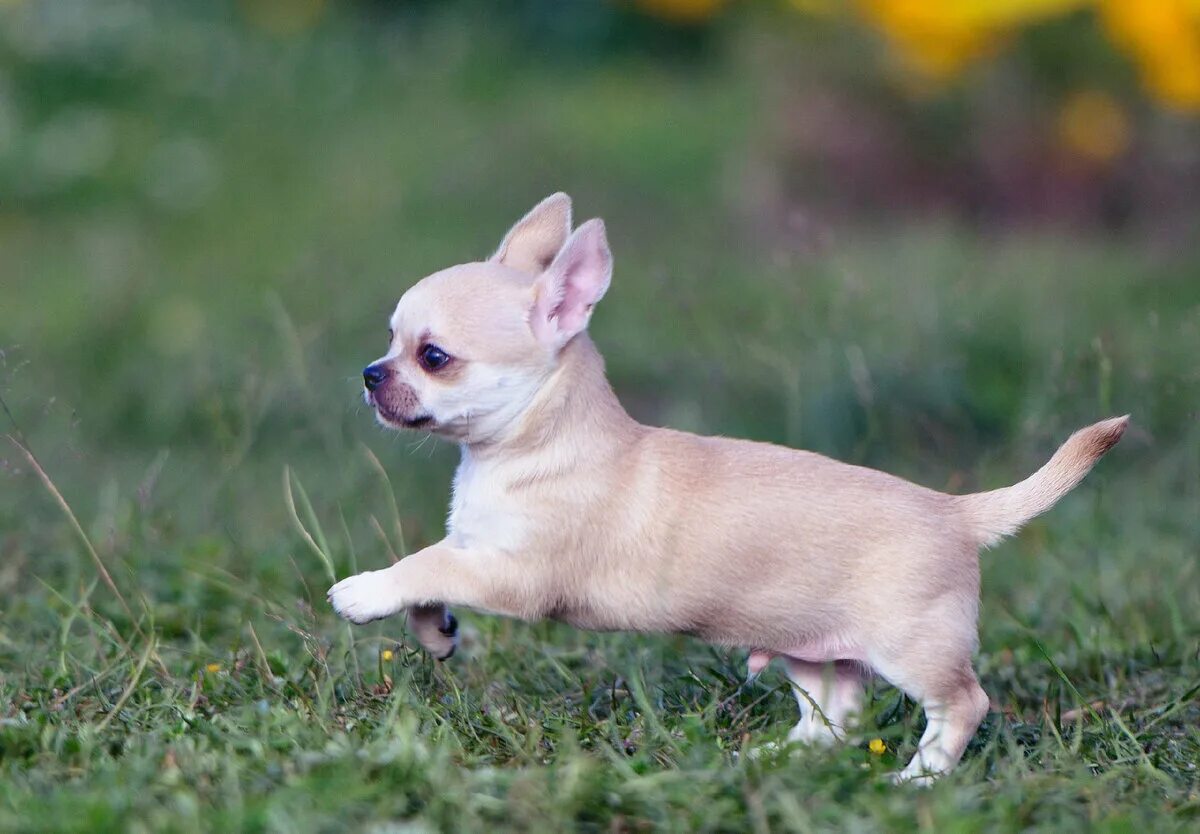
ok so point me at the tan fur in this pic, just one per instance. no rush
(993, 515)
(564, 507)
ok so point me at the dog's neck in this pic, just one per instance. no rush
(576, 401)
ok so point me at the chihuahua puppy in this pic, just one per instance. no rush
(565, 507)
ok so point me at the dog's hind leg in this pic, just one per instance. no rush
(829, 695)
(952, 716)
(937, 674)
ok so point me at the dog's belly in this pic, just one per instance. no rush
(587, 619)
(824, 650)
(602, 613)
(815, 651)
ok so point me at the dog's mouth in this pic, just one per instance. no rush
(391, 407)
(389, 417)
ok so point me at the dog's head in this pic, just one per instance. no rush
(470, 346)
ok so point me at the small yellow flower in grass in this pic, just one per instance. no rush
(877, 746)
(213, 668)
(387, 655)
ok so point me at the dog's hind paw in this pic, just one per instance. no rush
(915, 777)
(436, 630)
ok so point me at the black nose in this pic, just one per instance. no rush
(373, 376)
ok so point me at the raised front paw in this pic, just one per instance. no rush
(367, 596)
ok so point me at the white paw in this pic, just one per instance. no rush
(916, 774)
(814, 732)
(365, 597)
(767, 751)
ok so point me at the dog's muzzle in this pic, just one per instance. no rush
(395, 401)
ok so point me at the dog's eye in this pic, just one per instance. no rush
(432, 357)
(391, 335)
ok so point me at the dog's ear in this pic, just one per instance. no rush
(533, 242)
(566, 292)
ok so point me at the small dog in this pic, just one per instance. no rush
(564, 507)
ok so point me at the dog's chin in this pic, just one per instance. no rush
(424, 422)
(388, 418)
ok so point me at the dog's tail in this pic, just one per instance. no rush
(990, 516)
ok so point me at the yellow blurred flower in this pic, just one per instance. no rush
(387, 655)
(1163, 37)
(213, 668)
(681, 11)
(1093, 125)
(877, 746)
(940, 38)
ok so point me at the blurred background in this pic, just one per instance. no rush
(924, 235)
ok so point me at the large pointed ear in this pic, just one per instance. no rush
(531, 245)
(566, 292)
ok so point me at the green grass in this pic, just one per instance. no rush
(180, 369)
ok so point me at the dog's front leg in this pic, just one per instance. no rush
(435, 577)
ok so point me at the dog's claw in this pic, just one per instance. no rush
(449, 629)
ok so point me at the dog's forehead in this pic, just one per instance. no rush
(463, 296)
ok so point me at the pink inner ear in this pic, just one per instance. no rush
(575, 309)
(542, 319)
(570, 288)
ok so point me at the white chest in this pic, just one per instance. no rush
(482, 512)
